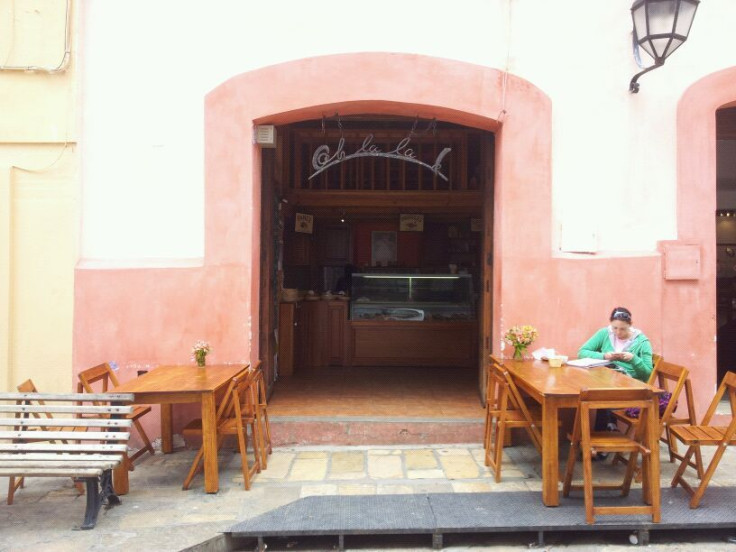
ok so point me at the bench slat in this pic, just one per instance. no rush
(50, 472)
(68, 397)
(64, 422)
(56, 464)
(56, 456)
(65, 409)
(61, 447)
(66, 435)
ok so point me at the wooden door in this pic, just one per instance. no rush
(485, 306)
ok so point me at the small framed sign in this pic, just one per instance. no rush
(303, 223)
(476, 224)
(411, 223)
(383, 248)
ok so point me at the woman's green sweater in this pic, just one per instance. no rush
(601, 343)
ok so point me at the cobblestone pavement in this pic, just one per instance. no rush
(158, 515)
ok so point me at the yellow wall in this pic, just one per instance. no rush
(39, 193)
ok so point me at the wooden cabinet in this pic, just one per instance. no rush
(297, 249)
(312, 333)
(288, 338)
(312, 320)
(337, 320)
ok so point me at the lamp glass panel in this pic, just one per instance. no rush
(662, 47)
(685, 19)
(661, 17)
(674, 45)
(639, 15)
(648, 48)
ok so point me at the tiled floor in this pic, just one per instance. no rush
(382, 392)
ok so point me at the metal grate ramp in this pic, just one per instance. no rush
(445, 513)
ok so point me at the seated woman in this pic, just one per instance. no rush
(625, 346)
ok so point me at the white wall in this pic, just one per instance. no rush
(148, 65)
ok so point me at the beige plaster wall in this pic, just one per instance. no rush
(39, 193)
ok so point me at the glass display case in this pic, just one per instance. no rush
(412, 297)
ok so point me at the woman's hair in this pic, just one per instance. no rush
(621, 313)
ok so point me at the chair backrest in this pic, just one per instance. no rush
(244, 396)
(100, 373)
(670, 378)
(261, 382)
(656, 359)
(493, 379)
(615, 398)
(497, 392)
(225, 408)
(29, 387)
(728, 386)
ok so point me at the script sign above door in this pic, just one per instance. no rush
(323, 160)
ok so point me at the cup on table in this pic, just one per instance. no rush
(557, 360)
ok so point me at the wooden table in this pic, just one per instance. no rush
(556, 388)
(168, 385)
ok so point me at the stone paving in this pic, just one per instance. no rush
(158, 515)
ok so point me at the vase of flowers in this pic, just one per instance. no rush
(199, 352)
(520, 337)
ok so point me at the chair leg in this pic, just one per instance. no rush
(588, 486)
(570, 469)
(498, 450)
(261, 433)
(696, 498)
(147, 442)
(248, 471)
(194, 469)
(14, 485)
(487, 431)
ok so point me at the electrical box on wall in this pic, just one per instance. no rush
(681, 261)
(266, 136)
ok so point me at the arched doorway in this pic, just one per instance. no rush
(696, 207)
(405, 85)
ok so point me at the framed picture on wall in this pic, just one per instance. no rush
(383, 248)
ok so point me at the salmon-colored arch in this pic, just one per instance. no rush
(693, 303)
(156, 314)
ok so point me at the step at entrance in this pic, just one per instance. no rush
(366, 430)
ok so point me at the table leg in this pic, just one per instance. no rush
(209, 443)
(654, 495)
(167, 437)
(550, 454)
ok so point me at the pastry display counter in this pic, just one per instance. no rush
(392, 320)
(412, 320)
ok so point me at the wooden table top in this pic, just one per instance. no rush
(181, 379)
(567, 381)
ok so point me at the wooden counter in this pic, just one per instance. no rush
(394, 343)
(318, 333)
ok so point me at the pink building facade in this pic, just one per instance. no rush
(157, 313)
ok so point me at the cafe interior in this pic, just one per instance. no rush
(379, 231)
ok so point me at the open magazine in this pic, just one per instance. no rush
(588, 362)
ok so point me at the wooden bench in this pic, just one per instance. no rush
(32, 444)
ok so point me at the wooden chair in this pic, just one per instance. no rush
(506, 410)
(674, 379)
(15, 483)
(262, 424)
(103, 376)
(709, 435)
(234, 416)
(590, 442)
